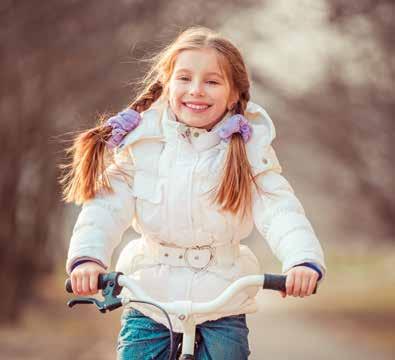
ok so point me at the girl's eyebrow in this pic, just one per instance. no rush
(208, 73)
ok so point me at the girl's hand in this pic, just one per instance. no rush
(301, 281)
(84, 278)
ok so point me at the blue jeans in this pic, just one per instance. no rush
(142, 338)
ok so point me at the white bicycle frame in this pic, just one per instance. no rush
(184, 309)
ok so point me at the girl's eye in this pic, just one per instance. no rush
(183, 78)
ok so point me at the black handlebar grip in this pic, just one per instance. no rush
(100, 283)
(68, 285)
(277, 282)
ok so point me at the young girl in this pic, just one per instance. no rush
(190, 165)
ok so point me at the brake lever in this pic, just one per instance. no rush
(110, 292)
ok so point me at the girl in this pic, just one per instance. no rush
(190, 165)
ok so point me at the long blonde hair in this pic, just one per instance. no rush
(234, 191)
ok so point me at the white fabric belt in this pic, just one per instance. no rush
(197, 257)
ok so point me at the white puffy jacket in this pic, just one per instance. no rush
(164, 197)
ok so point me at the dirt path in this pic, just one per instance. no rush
(281, 332)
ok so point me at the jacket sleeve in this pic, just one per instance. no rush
(103, 219)
(277, 212)
(280, 218)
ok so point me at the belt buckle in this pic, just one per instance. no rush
(193, 258)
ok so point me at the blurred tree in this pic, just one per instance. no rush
(348, 112)
(365, 106)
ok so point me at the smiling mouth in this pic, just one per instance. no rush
(196, 107)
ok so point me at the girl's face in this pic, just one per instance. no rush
(199, 93)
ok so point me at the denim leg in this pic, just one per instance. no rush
(225, 338)
(142, 338)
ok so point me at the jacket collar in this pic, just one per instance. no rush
(200, 139)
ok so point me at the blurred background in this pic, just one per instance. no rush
(323, 69)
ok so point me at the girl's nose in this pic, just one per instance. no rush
(196, 88)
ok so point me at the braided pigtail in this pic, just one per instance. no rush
(235, 189)
(80, 181)
(148, 96)
(86, 174)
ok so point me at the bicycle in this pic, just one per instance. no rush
(112, 283)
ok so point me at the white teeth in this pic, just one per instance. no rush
(198, 107)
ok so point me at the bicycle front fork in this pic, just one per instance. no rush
(188, 339)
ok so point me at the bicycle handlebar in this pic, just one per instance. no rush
(116, 281)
